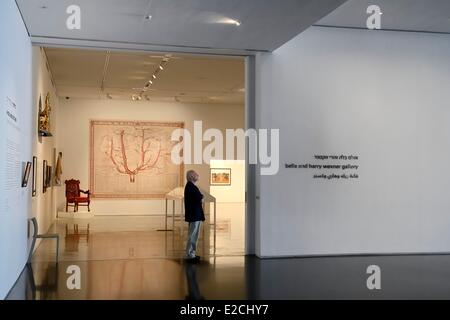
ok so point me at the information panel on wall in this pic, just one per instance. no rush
(11, 169)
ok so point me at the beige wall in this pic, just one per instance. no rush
(73, 126)
(43, 205)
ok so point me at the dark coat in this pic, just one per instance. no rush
(193, 203)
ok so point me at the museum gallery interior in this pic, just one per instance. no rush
(319, 131)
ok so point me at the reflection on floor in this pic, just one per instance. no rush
(126, 257)
(133, 279)
(239, 277)
(135, 257)
(140, 237)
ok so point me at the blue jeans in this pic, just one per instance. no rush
(193, 233)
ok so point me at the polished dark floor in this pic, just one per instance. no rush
(131, 258)
(402, 277)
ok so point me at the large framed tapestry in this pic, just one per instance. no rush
(131, 159)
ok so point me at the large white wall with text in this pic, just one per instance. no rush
(15, 83)
(23, 77)
(380, 95)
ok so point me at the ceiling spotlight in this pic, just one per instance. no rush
(228, 21)
(133, 97)
(150, 81)
(148, 17)
(109, 96)
(161, 67)
(139, 98)
(154, 77)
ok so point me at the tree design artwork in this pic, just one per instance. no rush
(133, 151)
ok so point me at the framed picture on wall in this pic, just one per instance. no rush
(34, 182)
(26, 174)
(220, 176)
(44, 176)
(48, 177)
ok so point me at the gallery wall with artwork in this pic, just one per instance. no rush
(45, 110)
(95, 134)
(24, 78)
(15, 143)
(227, 180)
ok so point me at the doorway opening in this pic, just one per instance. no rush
(113, 114)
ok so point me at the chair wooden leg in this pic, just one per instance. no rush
(89, 208)
(67, 206)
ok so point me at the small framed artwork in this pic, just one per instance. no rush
(34, 182)
(48, 177)
(44, 176)
(220, 176)
(26, 174)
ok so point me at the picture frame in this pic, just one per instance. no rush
(44, 176)
(220, 176)
(34, 181)
(48, 177)
(26, 174)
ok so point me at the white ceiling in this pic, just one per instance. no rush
(185, 78)
(265, 24)
(405, 15)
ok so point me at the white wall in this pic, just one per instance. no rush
(15, 83)
(73, 140)
(381, 95)
(236, 191)
(22, 76)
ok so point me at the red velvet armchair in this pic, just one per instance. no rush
(73, 195)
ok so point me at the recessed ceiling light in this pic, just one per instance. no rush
(229, 21)
(154, 77)
(161, 67)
